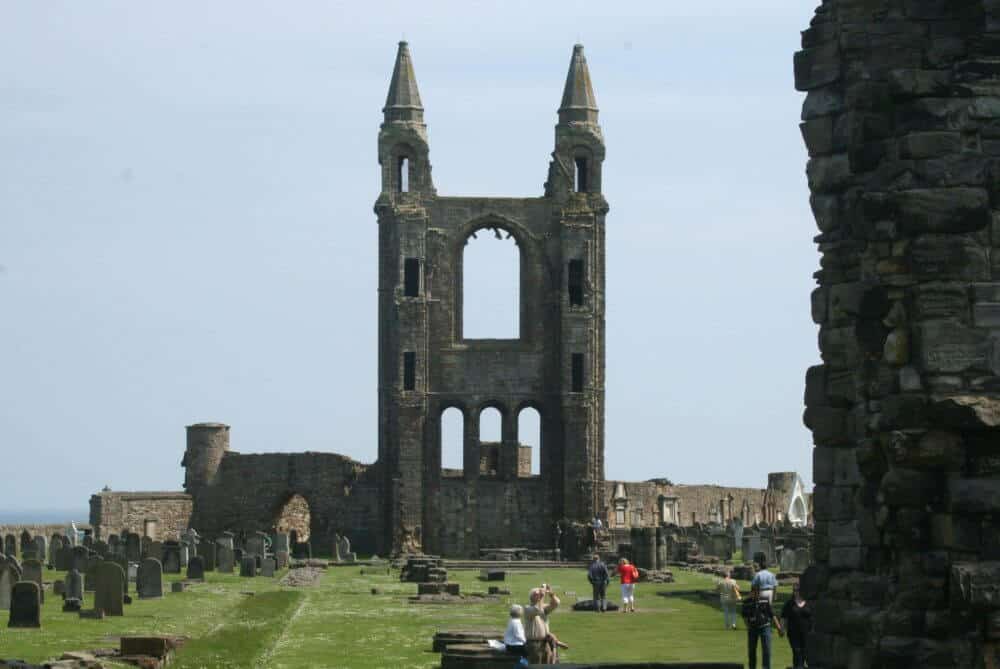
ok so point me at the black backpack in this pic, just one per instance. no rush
(756, 614)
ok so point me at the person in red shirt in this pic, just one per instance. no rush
(628, 575)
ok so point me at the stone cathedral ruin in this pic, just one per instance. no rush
(406, 500)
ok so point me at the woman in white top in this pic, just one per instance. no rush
(513, 637)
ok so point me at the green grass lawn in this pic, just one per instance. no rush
(341, 624)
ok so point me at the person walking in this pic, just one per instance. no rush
(541, 645)
(729, 595)
(628, 575)
(758, 616)
(765, 581)
(598, 576)
(797, 616)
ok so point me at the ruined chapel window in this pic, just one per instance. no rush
(576, 282)
(529, 433)
(452, 439)
(403, 174)
(409, 370)
(581, 175)
(577, 373)
(411, 277)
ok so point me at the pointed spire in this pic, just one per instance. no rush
(403, 101)
(578, 102)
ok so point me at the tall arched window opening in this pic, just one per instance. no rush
(491, 286)
(452, 439)
(490, 426)
(403, 176)
(529, 433)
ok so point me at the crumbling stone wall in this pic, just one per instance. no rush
(509, 514)
(902, 124)
(113, 512)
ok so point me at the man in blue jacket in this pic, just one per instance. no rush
(598, 576)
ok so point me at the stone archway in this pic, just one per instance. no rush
(294, 515)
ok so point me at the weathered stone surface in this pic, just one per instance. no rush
(943, 257)
(952, 347)
(149, 580)
(25, 605)
(973, 412)
(974, 495)
(109, 596)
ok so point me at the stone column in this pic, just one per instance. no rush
(902, 125)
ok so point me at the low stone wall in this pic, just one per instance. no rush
(44, 530)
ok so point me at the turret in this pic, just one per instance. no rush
(579, 152)
(207, 443)
(402, 140)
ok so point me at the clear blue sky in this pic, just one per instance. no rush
(186, 226)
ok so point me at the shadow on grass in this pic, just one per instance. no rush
(247, 632)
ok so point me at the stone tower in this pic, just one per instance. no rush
(207, 444)
(426, 365)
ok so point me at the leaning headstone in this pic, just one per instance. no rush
(25, 605)
(248, 566)
(149, 580)
(207, 550)
(225, 560)
(73, 585)
(110, 593)
(196, 568)
(267, 567)
(32, 570)
(171, 557)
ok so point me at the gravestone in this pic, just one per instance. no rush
(55, 543)
(248, 566)
(803, 558)
(227, 540)
(79, 559)
(25, 605)
(787, 560)
(255, 545)
(280, 542)
(344, 548)
(183, 554)
(88, 541)
(155, 550)
(281, 559)
(64, 558)
(90, 574)
(32, 570)
(110, 593)
(237, 555)
(124, 565)
(267, 567)
(73, 585)
(144, 544)
(225, 560)
(196, 568)
(9, 575)
(302, 550)
(207, 550)
(101, 548)
(26, 541)
(10, 545)
(171, 557)
(149, 579)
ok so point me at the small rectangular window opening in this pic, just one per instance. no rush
(577, 381)
(409, 370)
(576, 283)
(411, 277)
(581, 175)
(403, 178)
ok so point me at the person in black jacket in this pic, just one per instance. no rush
(598, 576)
(758, 616)
(797, 616)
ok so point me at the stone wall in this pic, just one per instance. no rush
(42, 530)
(695, 503)
(902, 125)
(163, 514)
(510, 514)
(250, 491)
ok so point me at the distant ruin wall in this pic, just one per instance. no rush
(902, 125)
(41, 529)
(163, 514)
(249, 492)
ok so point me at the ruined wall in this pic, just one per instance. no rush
(41, 529)
(112, 512)
(695, 503)
(250, 492)
(509, 514)
(902, 124)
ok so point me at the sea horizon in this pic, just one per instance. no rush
(42, 516)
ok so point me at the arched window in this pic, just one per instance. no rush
(294, 516)
(529, 433)
(581, 184)
(491, 283)
(403, 174)
(490, 426)
(452, 439)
